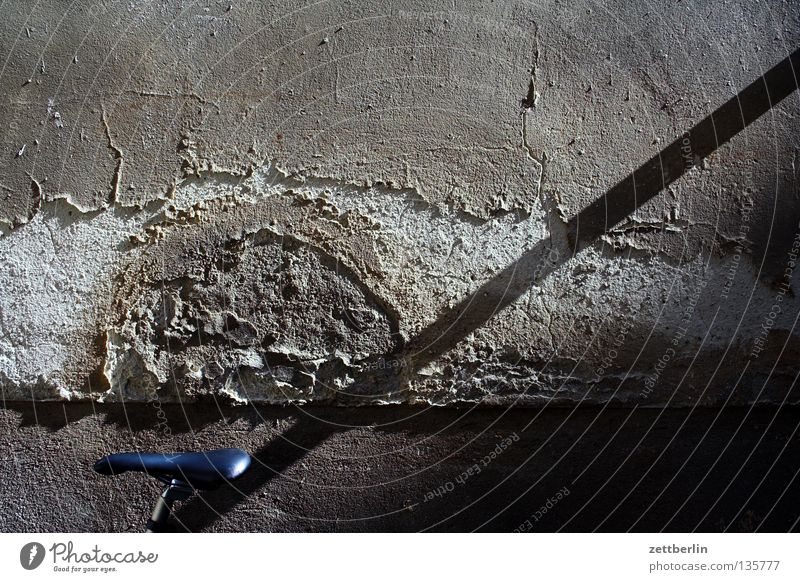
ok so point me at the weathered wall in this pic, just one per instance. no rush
(400, 468)
(289, 202)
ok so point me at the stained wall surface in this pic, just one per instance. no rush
(404, 468)
(370, 202)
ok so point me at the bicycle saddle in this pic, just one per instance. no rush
(202, 470)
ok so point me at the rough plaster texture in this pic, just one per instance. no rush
(246, 201)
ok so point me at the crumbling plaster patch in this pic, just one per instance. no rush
(267, 288)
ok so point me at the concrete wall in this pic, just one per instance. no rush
(211, 208)
(370, 202)
(400, 468)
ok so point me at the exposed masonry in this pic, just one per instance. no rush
(282, 225)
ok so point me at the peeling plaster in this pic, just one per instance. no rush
(284, 233)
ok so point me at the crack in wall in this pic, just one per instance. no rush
(118, 157)
(446, 255)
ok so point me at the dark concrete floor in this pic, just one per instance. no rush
(408, 469)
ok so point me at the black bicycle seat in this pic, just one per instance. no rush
(201, 470)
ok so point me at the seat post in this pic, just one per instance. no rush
(174, 491)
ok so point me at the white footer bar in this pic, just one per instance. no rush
(390, 557)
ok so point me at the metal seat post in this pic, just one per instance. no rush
(174, 491)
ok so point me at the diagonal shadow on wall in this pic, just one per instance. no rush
(268, 462)
(533, 266)
(511, 283)
(599, 217)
